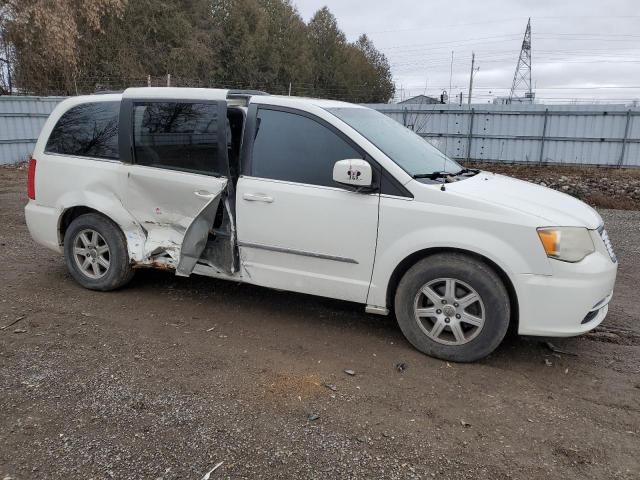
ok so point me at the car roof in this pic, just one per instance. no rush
(285, 100)
(181, 93)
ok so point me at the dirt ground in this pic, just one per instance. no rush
(170, 376)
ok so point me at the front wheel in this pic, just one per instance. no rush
(453, 307)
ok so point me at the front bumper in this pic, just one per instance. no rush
(572, 301)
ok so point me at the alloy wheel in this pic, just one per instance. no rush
(91, 253)
(449, 311)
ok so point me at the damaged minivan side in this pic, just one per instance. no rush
(179, 181)
(155, 165)
(318, 197)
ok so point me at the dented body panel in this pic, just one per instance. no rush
(153, 224)
(165, 204)
(154, 207)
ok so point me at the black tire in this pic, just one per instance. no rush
(494, 299)
(119, 271)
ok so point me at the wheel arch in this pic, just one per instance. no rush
(411, 260)
(71, 213)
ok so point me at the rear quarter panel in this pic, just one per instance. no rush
(66, 181)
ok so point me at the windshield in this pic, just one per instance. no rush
(410, 151)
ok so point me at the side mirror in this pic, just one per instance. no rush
(354, 172)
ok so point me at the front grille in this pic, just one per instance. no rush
(607, 243)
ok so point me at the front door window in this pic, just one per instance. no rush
(296, 148)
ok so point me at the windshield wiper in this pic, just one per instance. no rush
(435, 175)
(444, 174)
(469, 171)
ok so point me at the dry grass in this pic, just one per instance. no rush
(606, 201)
(568, 170)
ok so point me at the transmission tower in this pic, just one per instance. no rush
(522, 77)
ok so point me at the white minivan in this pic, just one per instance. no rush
(319, 197)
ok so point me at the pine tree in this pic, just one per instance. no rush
(82, 45)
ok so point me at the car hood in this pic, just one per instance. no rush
(551, 207)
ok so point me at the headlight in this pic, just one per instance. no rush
(569, 244)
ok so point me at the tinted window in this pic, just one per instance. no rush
(296, 148)
(88, 130)
(179, 136)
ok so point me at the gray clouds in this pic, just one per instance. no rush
(586, 50)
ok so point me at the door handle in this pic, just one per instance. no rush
(257, 197)
(203, 194)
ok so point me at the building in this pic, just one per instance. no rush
(528, 98)
(422, 100)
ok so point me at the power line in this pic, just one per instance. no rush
(502, 21)
(539, 35)
(449, 42)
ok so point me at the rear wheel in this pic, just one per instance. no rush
(96, 254)
(452, 306)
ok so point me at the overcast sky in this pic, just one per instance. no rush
(587, 49)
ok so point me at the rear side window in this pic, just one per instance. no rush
(297, 148)
(87, 130)
(179, 136)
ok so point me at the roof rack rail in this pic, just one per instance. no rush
(245, 93)
(107, 92)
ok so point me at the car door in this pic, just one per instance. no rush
(177, 176)
(297, 229)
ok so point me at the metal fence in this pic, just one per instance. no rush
(21, 119)
(596, 135)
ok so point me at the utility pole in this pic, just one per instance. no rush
(473, 64)
(450, 77)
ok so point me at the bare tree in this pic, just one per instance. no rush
(78, 46)
(44, 35)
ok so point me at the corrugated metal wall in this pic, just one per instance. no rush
(21, 119)
(566, 134)
(559, 134)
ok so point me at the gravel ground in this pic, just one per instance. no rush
(170, 376)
